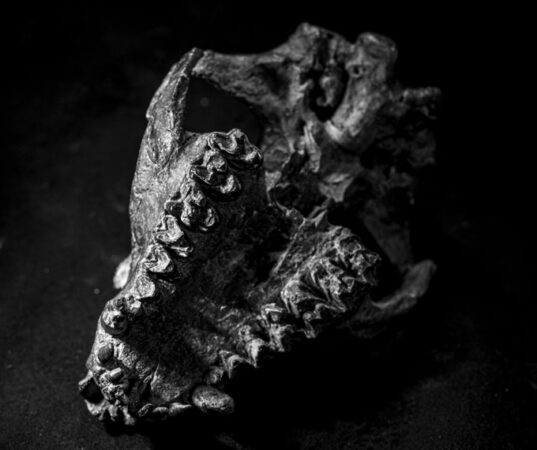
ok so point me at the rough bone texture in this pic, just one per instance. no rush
(233, 257)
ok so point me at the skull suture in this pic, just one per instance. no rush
(233, 258)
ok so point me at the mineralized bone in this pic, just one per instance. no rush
(233, 258)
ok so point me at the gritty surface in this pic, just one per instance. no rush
(464, 374)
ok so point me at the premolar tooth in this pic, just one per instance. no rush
(210, 399)
(114, 321)
(158, 261)
(168, 231)
(116, 375)
(105, 353)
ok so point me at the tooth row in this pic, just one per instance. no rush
(326, 287)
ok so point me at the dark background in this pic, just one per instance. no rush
(76, 84)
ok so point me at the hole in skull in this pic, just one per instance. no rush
(211, 110)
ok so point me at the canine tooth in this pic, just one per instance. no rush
(210, 399)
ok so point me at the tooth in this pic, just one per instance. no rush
(157, 260)
(144, 287)
(168, 231)
(145, 410)
(283, 336)
(258, 351)
(159, 413)
(230, 188)
(116, 375)
(296, 298)
(217, 162)
(272, 313)
(210, 399)
(105, 353)
(203, 174)
(214, 376)
(232, 363)
(210, 220)
(113, 321)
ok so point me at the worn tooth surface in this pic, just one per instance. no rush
(233, 259)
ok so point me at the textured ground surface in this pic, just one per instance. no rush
(464, 376)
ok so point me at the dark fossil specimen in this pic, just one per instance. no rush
(233, 257)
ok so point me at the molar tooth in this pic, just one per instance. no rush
(144, 287)
(283, 336)
(210, 399)
(157, 260)
(258, 351)
(159, 412)
(196, 195)
(190, 214)
(230, 188)
(206, 176)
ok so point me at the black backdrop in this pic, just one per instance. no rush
(76, 84)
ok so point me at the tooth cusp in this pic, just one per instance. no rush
(157, 260)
